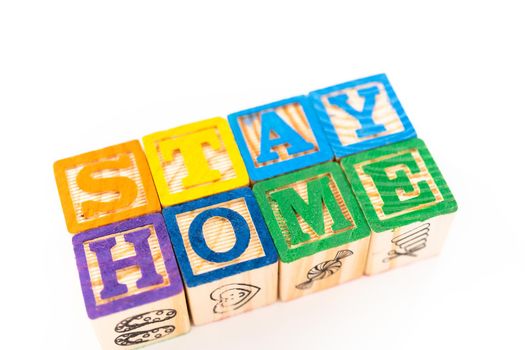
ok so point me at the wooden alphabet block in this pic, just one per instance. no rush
(361, 114)
(194, 161)
(406, 201)
(131, 283)
(227, 258)
(279, 137)
(105, 186)
(318, 228)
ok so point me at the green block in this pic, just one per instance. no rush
(310, 210)
(398, 184)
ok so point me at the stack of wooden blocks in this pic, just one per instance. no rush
(340, 187)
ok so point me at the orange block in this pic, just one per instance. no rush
(101, 187)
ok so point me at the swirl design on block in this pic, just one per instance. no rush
(324, 269)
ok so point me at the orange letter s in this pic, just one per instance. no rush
(125, 186)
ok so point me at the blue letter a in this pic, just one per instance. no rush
(271, 122)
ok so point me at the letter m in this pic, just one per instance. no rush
(320, 196)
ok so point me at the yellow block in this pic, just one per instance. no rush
(194, 161)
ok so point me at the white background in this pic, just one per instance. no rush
(78, 76)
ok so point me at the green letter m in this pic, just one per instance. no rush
(291, 205)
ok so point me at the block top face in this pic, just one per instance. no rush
(310, 210)
(105, 186)
(126, 264)
(398, 184)
(279, 137)
(361, 114)
(219, 236)
(194, 161)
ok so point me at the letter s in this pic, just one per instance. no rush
(124, 186)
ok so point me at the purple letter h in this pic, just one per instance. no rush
(109, 267)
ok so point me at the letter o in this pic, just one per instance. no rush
(240, 229)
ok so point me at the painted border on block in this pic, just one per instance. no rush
(256, 174)
(286, 254)
(330, 132)
(61, 166)
(192, 280)
(227, 139)
(448, 205)
(174, 288)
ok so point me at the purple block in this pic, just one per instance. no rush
(151, 254)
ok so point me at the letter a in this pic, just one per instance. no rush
(272, 123)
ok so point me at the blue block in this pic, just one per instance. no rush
(201, 210)
(279, 137)
(350, 115)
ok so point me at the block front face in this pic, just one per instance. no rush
(361, 114)
(233, 295)
(219, 236)
(279, 137)
(105, 186)
(143, 325)
(194, 161)
(406, 244)
(398, 184)
(323, 270)
(310, 210)
(227, 257)
(126, 264)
